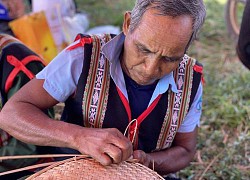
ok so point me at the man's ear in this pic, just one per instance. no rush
(126, 22)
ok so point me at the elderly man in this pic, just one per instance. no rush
(142, 74)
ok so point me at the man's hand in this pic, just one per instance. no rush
(143, 158)
(105, 145)
(170, 160)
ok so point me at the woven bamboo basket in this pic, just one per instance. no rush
(88, 168)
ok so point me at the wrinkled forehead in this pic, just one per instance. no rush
(164, 33)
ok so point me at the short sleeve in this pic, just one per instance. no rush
(192, 118)
(61, 75)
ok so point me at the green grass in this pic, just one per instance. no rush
(223, 150)
(223, 144)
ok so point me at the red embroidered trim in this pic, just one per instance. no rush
(125, 103)
(80, 43)
(200, 70)
(139, 119)
(20, 66)
(146, 112)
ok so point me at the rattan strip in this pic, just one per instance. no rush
(26, 168)
(40, 156)
(36, 165)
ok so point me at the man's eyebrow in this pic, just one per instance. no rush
(142, 47)
(171, 59)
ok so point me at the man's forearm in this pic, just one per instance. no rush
(175, 158)
(105, 145)
(36, 127)
(170, 160)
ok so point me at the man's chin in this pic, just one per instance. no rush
(145, 82)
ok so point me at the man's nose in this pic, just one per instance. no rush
(152, 66)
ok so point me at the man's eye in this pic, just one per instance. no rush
(145, 51)
(167, 59)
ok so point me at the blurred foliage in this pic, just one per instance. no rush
(223, 150)
(106, 11)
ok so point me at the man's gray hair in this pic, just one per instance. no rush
(194, 8)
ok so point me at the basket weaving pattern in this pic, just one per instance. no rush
(88, 168)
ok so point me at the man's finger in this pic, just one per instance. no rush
(103, 158)
(140, 155)
(114, 152)
(123, 143)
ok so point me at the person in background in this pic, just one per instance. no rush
(142, 79)
(243, 45)
(18, 64)
(10, 10)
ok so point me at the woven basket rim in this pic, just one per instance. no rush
(57, 164)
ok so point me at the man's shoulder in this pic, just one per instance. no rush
(197, 66)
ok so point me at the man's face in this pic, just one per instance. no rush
(156, 47)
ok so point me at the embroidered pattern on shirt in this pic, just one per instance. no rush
(178, 103)
(96, 91)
